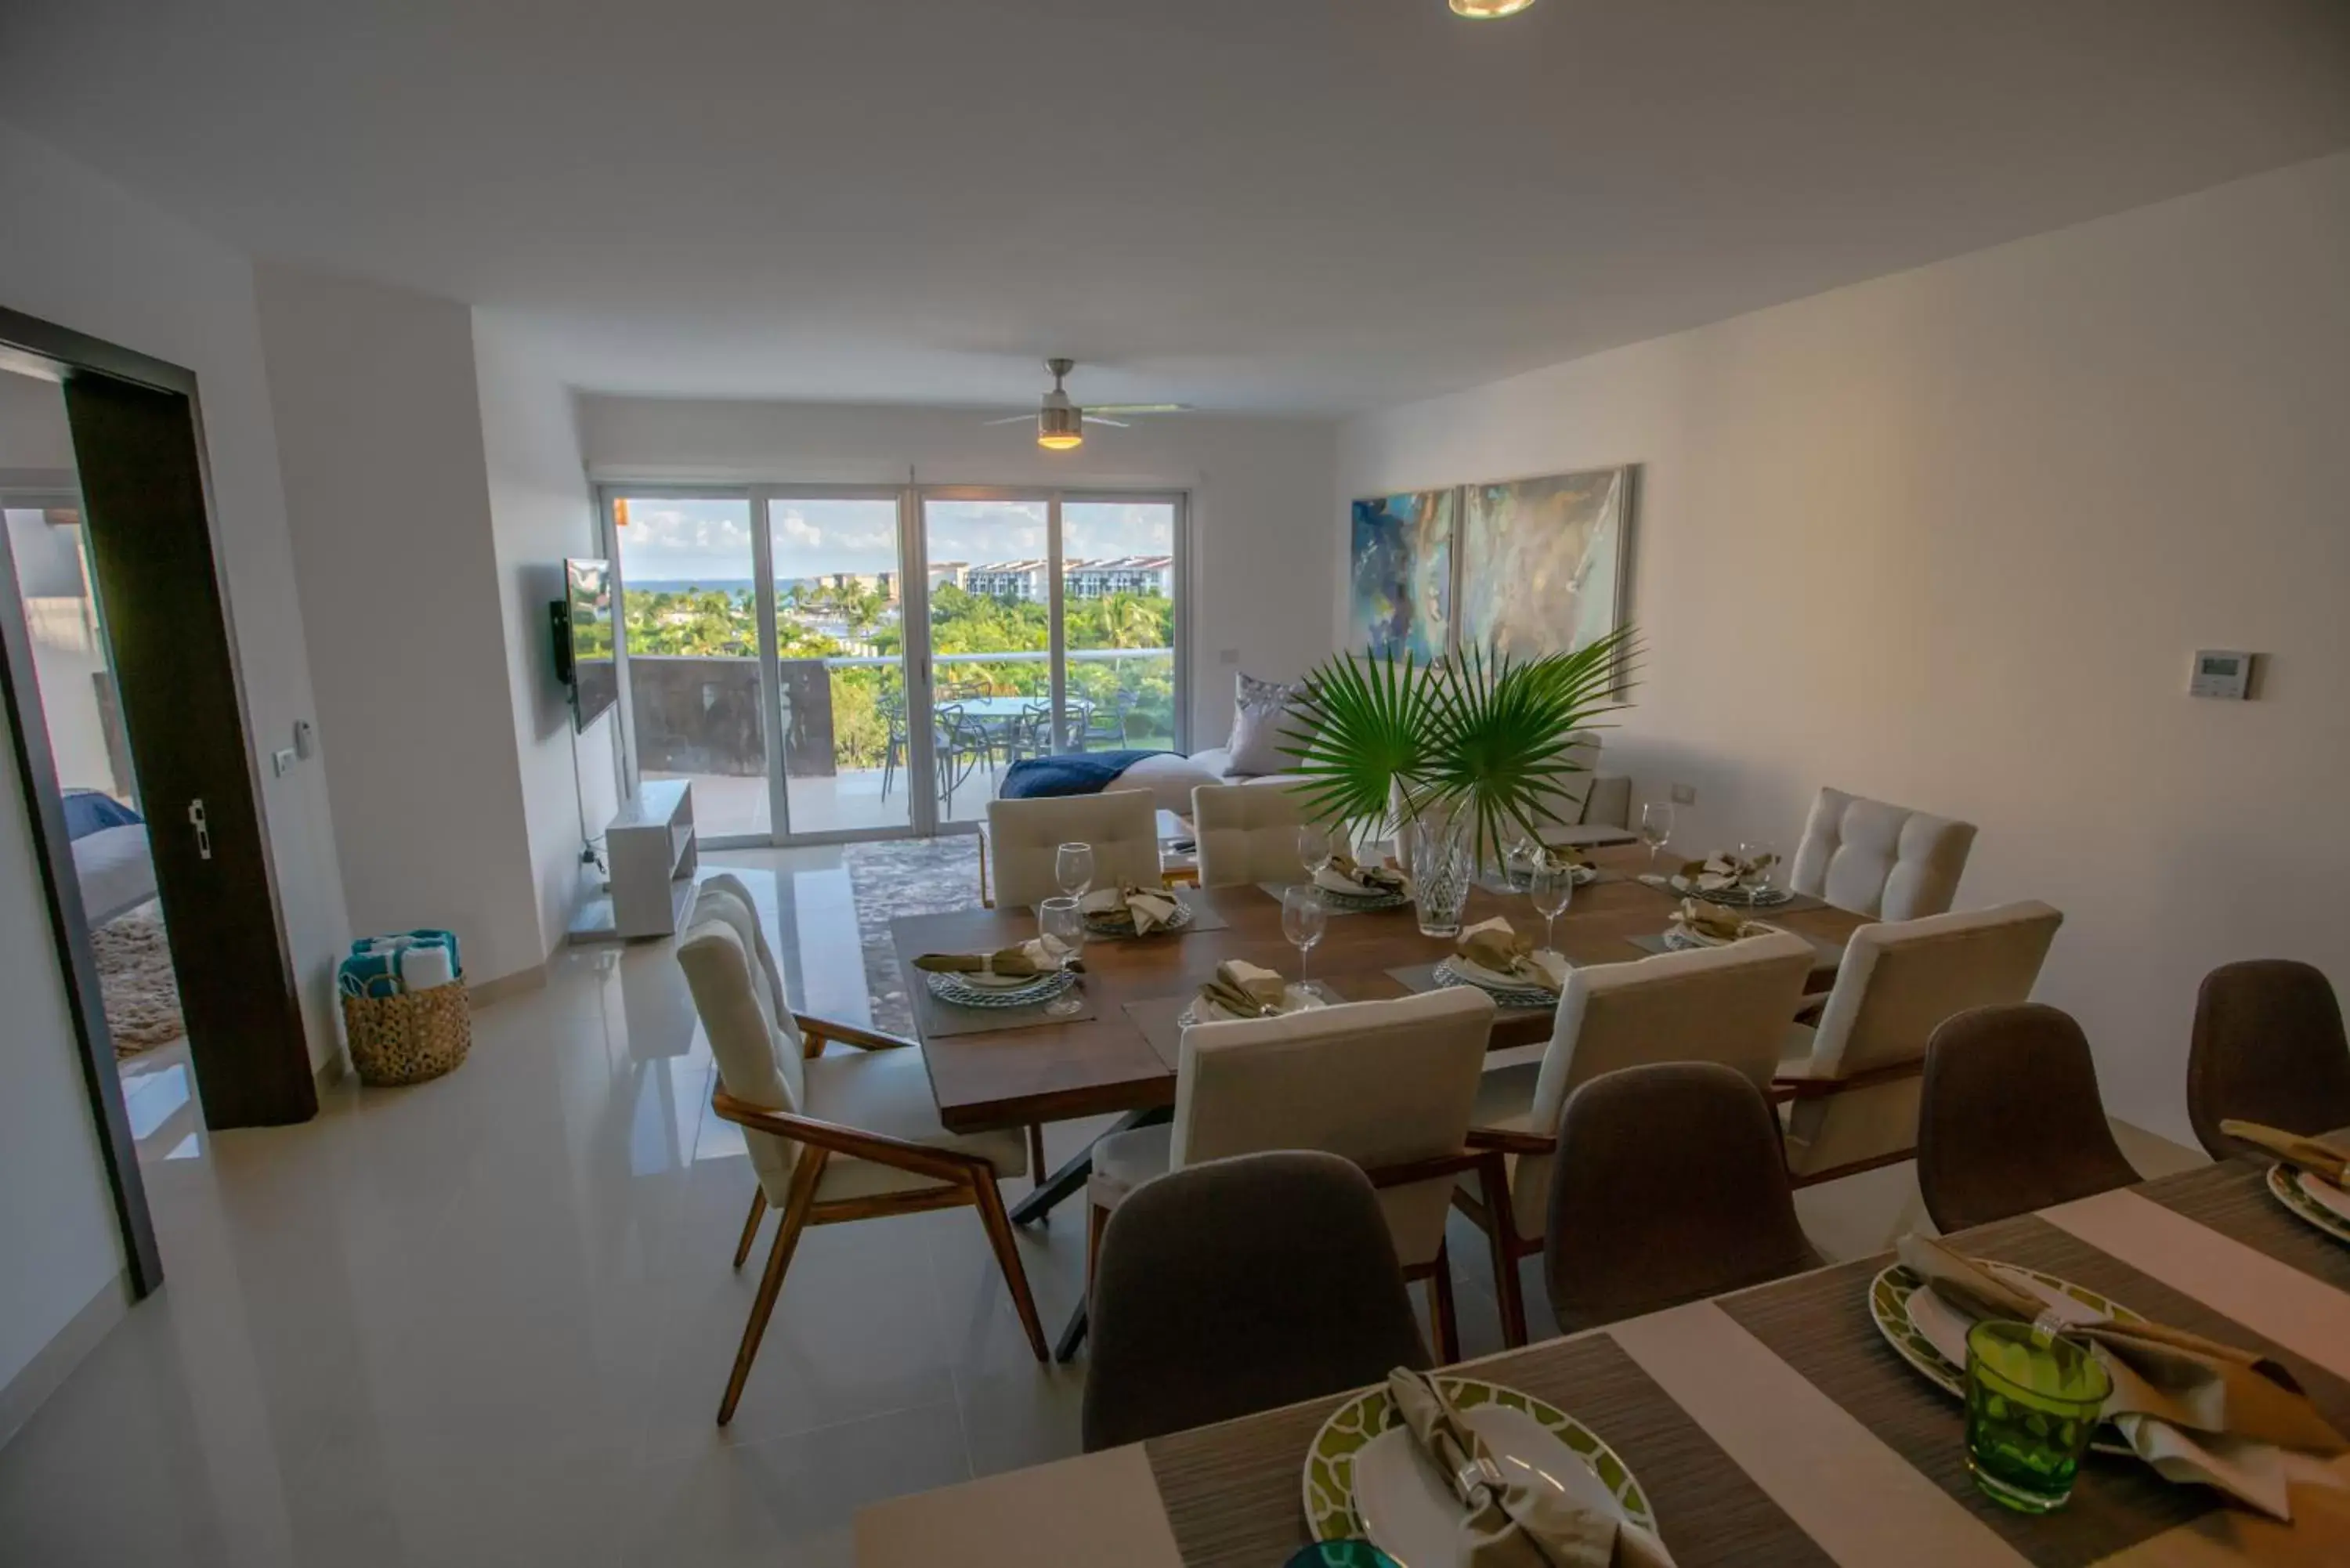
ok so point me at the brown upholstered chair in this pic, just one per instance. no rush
(1238, 1285)
(1669, 1187)
(2268, 1048)
(2010, 1120)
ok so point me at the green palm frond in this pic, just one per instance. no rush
(1361, 720)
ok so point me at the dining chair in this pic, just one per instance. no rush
(1667, 1189)
(1240, 1285)
(1387, 1085)
(1247, 834)
(2008, 1118)
(1727, 1004)
(1850, 1086)
(1886, 862)
(1024, 837)
(893, 754)
(831, 1138)
(2268, 1047)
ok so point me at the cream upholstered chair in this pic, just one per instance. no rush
(830, 1138)
(1247, 834)
(1886, 862)
(1854, 1079)
(1727, 1004)
(1387, 1085)
(1022, 835)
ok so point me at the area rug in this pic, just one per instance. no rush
(134, 976)
(905, 877)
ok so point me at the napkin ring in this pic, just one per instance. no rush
(1480, 1474)
(2049, 1326)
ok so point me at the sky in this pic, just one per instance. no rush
(710, 540)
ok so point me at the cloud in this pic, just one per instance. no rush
(800, 531)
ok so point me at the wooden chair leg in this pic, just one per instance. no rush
(1097, 1221)
(805, 1176)
(750, 1226)
(998, 1225)
(1441, 1316)
(1037, 1172)
(1500, 1238)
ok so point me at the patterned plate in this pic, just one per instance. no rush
(1296, 1000)
(1585, 876)
(1735, 897)
(1102, 926)
(2286, 1189)
(1328, 1485)
(957, 992)
(1360, 902)
(1681, 939)
(1449, 973)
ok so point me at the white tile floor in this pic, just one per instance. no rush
(487, 1320)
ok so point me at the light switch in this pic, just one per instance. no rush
(283, 761)
(1684, 794)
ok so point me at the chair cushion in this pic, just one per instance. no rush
(887, 1092)
(1124, 1161)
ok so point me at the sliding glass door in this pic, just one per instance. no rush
(830, 663)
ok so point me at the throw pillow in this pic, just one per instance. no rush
(1261, 714)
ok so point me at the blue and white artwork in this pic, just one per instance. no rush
(1400, 596)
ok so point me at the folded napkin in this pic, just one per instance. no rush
(2316, 1155)
(1344, 874)
(1717, 872)
(1513, 1522)
(1146, 909)
(1711, 921)
(2195, 1409)
(1244, 990)
(1495, 945)
(1033, 956)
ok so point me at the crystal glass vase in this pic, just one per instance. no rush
(1441, 871)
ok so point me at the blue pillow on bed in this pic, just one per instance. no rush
(89, 811)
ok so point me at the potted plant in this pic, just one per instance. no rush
(1466, 755)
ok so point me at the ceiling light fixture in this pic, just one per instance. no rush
(1489, 10)
(1060, 423)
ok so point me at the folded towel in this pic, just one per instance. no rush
(1347, 875)
(1245, 989)
(2195, 1409)
(1513, 1520)
(1141, 910)
(2313, 1155)
(377, 966)
(425, 966)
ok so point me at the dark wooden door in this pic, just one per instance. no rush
(150, 546)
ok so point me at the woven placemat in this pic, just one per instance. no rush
(1204, 918)
(1274, 891)
(939, 1020)
(2234, 1199)
(1419, 977)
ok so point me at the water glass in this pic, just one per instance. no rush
(1760, 852)
(1550, 887)
(2032, 1399)
(1317, 845)
(1303, 916)
(1656, 828)
(1073, 868)
(1063, 921)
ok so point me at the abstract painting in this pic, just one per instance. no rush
(1400, 598)
(1542, 562)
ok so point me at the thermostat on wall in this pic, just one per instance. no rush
(2221, 672)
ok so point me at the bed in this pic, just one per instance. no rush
(110, 855)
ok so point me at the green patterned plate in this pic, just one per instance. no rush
(2287, 1192)
(1328, 1484)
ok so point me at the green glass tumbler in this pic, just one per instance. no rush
(2032, 1399)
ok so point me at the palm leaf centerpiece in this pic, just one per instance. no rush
(1479, 741)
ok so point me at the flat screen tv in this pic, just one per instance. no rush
(583, 639)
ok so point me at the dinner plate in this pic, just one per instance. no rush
(957, 991)
(1459, 971)
(1736, 898)
(1680, 938)
(1518, 880)
(2313, 1200)
(1296, 999)
(1412, 1514)
(1334, 1511)
(1101, 925)
(1359, 901)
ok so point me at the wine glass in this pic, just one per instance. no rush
(1518, 862)
(1317, 847)
(1303, 916)
(1763, 854)
(1073, 868)
(1656, 829)
(1061, 921)
(1550, 885)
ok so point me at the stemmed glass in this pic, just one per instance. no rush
(1760, 852)
(1073, 868)
(1062, 920)
(1550, 885)
(1303, 918)
(1656, 829)
(1317, 847)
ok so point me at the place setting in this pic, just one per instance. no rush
(1743, 879)
(1033, 982)
(2048, 1371)
(1434, 1470)
(1347, 886)
(1694, 925)
(1492, 957)
(1237, 989)
(2311, 1177)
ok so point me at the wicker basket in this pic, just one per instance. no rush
(410, 1038)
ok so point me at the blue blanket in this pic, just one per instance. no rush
(1077, 773)
(88, 811)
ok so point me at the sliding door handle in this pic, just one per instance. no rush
(203, 829)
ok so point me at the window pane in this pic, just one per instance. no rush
(990, 644)
(840, 647)
(1117, 575)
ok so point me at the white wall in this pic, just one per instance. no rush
(542, 509)
(79, 252)
(379, 425)
(1948, 538)
(1259, 494)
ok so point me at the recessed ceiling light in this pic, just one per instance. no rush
(1487, 10)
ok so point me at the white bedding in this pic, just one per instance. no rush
(117, 873)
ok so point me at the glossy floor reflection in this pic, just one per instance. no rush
(487, 1320)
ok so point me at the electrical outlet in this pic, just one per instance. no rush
(1229, 655)
(282, 762)
(1684, 794)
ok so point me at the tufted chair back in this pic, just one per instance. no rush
(1247, 833)
(1886, 862)
(1023, 836)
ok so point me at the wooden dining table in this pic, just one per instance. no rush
(1773, 1426)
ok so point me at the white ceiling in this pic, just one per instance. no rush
(1296, 206)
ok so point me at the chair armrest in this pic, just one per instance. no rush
(816, 1030)
(1785, 1089)
(853, 1142)
(1429, 1169)
(1509, 1142)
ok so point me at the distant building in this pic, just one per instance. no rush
(1123, 574)
(1009, 580)
(949, 573)
(882, 583)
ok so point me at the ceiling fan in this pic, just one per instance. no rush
(1060, 423)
